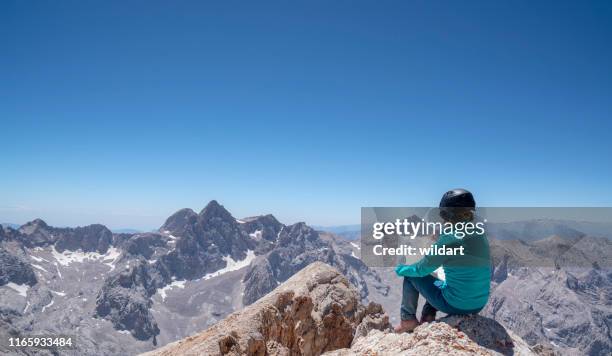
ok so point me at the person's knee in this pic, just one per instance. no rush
(414, 280)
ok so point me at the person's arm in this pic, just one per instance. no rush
(427, 264)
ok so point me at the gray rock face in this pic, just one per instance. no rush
(267, 225)
(192, 246)
(203, 240)
(145, 245)
(92, 238)
(180, 222)
(15, 269)
(548, 292)
(35, 233)
(125, 299)
(258, 281)
(264, 230)
(297, 246)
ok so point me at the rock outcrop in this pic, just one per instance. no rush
(315, 311)
(35, 233)
(14, 269)
(125, 299)
(454, 335)
(297, 246)
(203, 240)
(554, 292)
(91, 238)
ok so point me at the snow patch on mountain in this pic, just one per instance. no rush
(111, 257)
(39, 267)
(176, 284)
(47, 306)
(256, 235)
(21, 289)
(67, 257)
(232, 265)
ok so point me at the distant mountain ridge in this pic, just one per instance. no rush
(134, 286)
(128, 292)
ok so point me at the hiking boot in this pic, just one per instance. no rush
(428, 318)
(406, 326)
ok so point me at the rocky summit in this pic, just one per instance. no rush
(317, 311)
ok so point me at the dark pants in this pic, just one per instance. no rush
(434, 300)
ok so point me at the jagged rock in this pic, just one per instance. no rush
(264, 230)
(500, 271)
(297, 246)
(125, 299)
(264, 226)
(315, 311)
(180, 221)
(552, 296)
(553, 306)
(144, 244)
(203, 240)
(15, 269)
(91, 238)
(258, 281)
(454, 335)
(35, 233)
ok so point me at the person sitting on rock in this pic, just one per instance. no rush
(465, 289)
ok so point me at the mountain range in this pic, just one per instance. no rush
(126, 293)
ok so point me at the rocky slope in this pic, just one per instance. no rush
(317, 311)
(128, 293)
(469, 335)
(297, 246)
(555, 291)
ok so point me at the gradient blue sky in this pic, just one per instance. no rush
(123, 112)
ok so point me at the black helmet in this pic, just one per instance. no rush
(457, 198)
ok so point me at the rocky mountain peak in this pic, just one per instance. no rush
(215, 210)
(299, 234)
(32, 226)
(90, 238)
(263, 227)
(178, 221)
(36, 233)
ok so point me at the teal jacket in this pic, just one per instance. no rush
(468, 276)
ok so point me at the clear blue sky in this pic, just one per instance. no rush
(121, 112)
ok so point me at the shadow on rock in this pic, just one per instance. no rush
(486, 332)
